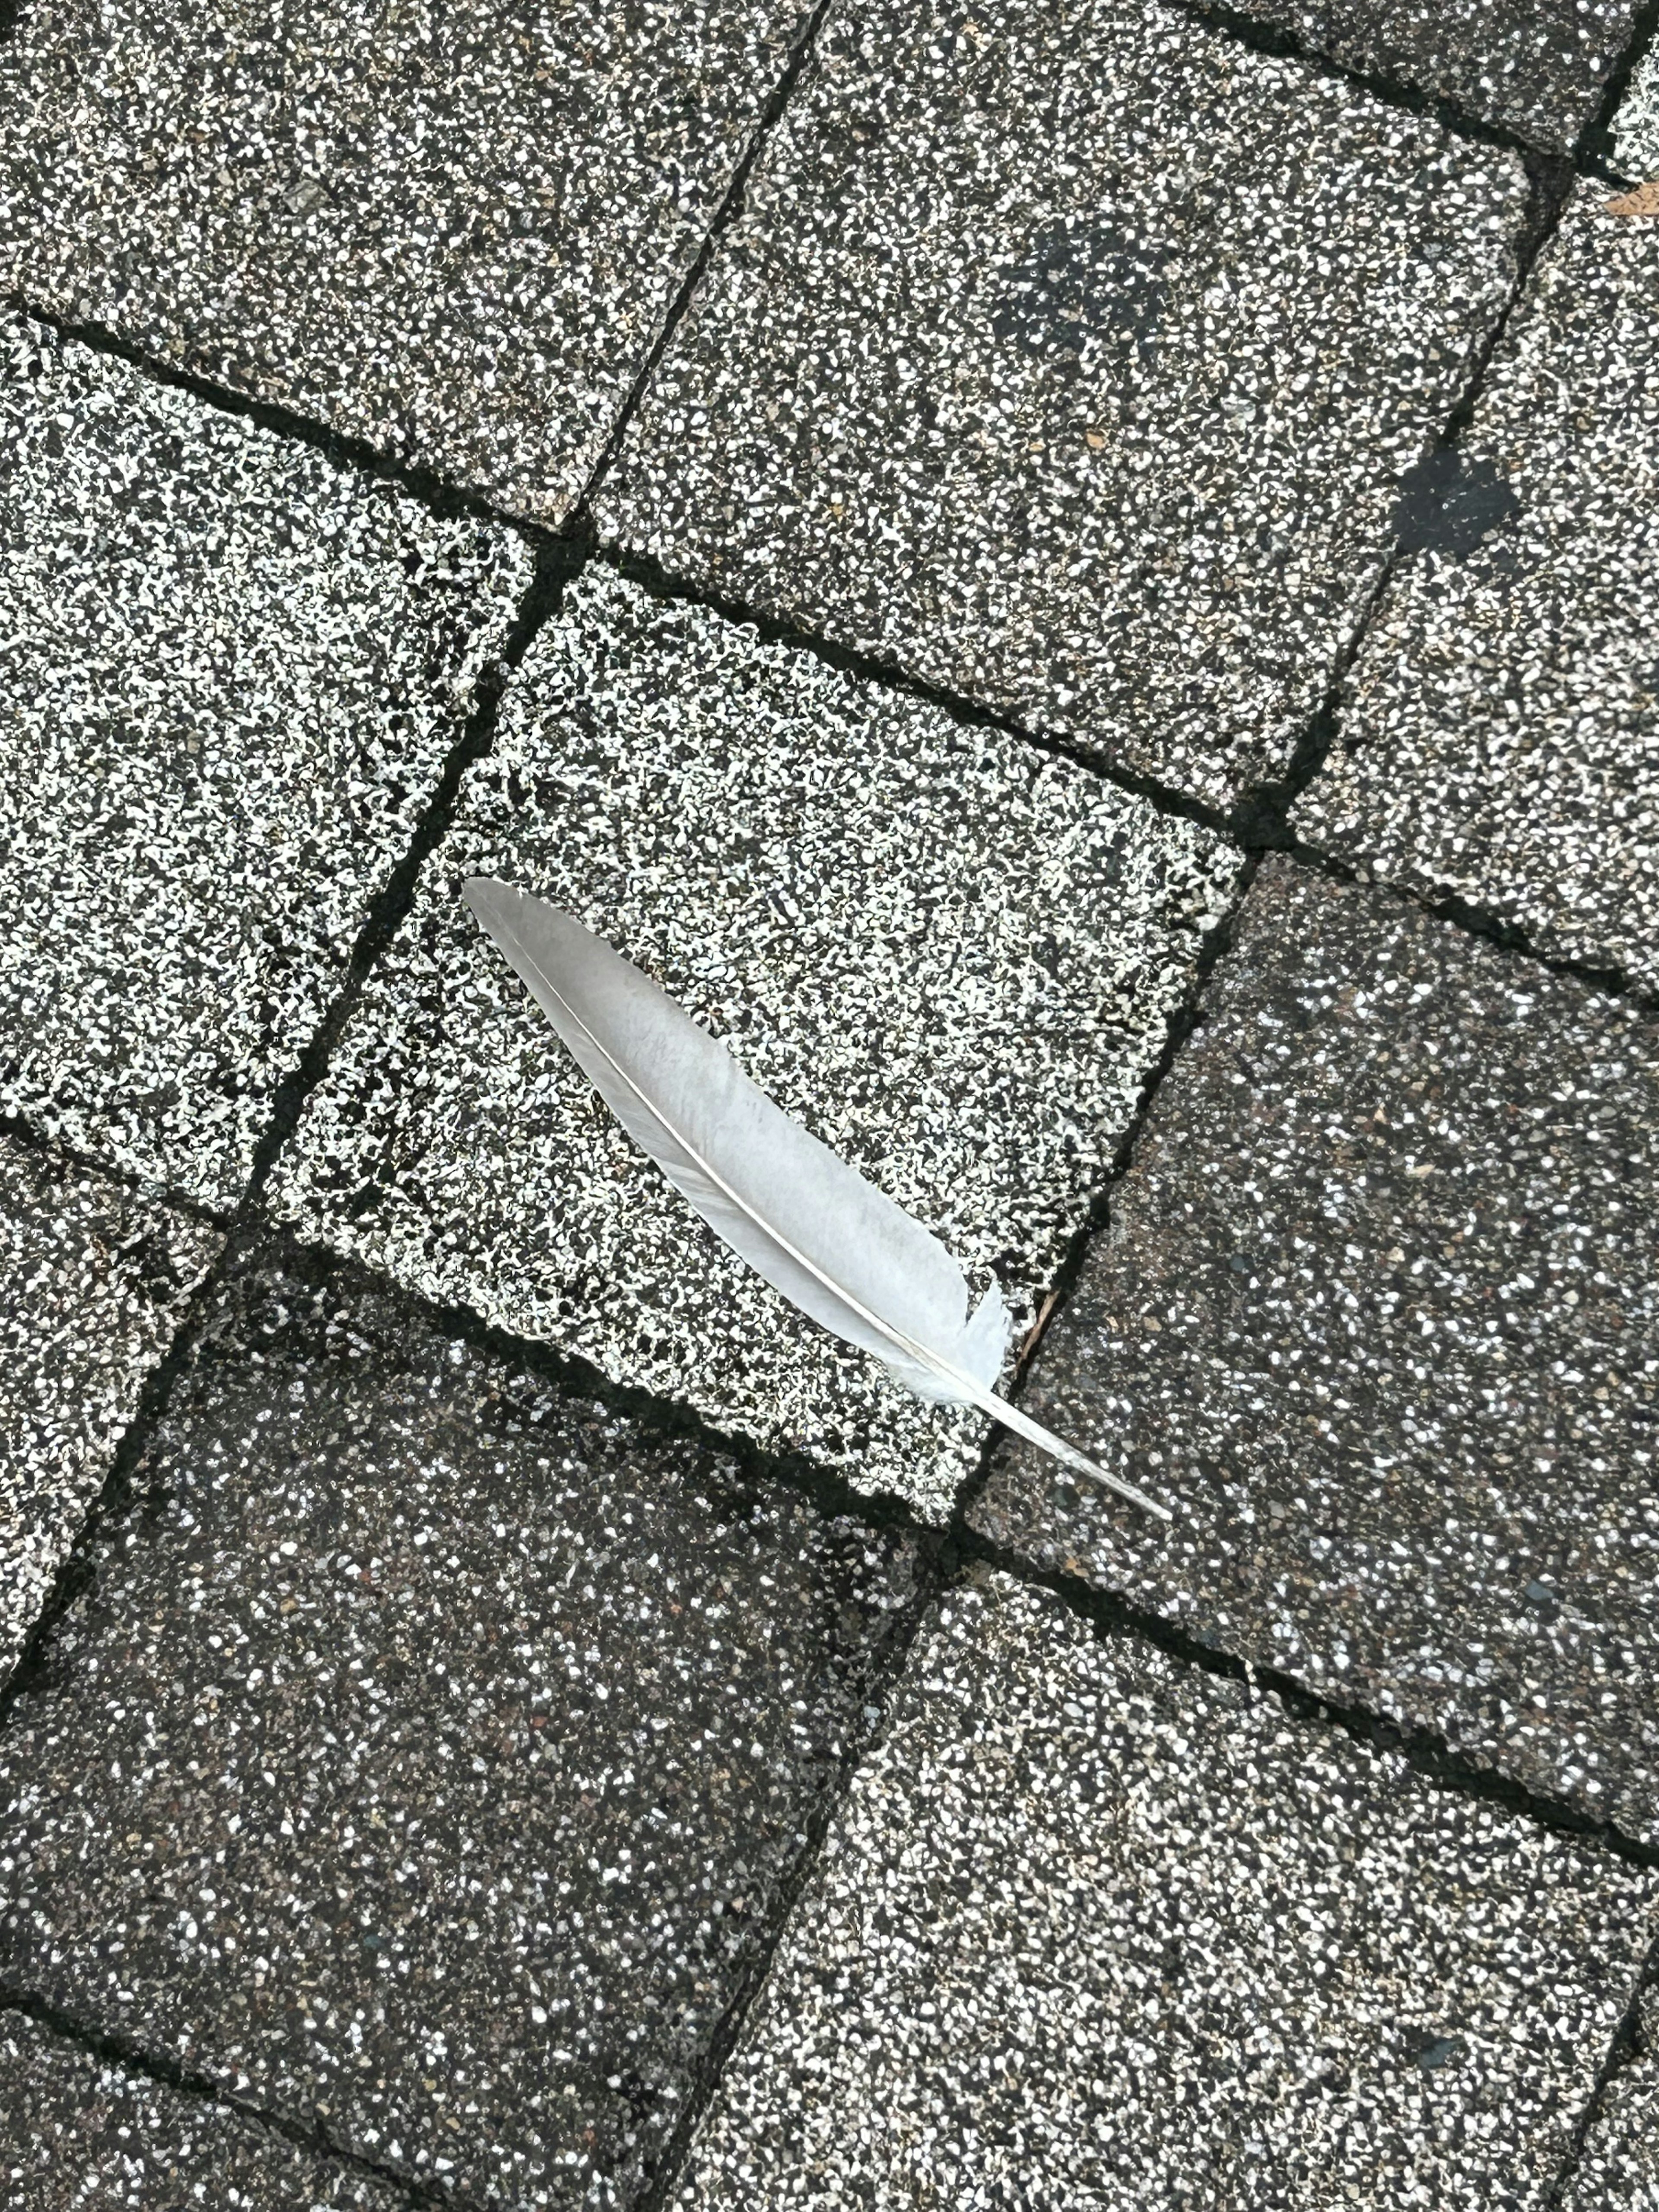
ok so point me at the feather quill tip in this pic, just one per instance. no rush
(1121, 1489)
(1033, 1432)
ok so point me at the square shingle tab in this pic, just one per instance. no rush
(81, 2134)
(1378, 1305)
(232, 673)
(952, 956)
(454, 233)
(1500, 743)
(1540, 67)
(93, 1280)
(1095, 1929)
(424, 1758)
(1068, 357)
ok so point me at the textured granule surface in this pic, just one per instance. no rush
(93, 1280)
(1498, 743)
(1618, 2166)
(1636, 127)
(451, 232)
(1377, 1313)
(953, 957)
(1540, 67)
(1095, 1929)
(1069, 358)
(511, 1714)
(81, 2134)
(427, 1746)
(233, 673)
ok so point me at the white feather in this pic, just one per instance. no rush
(801, 1216)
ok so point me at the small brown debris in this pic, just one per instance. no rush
(1644, 200)
(1034, 1334)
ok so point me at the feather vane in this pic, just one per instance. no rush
(802, 1217)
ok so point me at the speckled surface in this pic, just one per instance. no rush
(1618, 2170)
(1636, 126)
(1068, 357)
(454, 231)
(1539, 68)
(1500, 743)
(93, 1281)
(429, 1750)
(1378, 1306)
(78, 2134)
(1096, 1929)
(426, 1754)
(232, 673)
(952, 957)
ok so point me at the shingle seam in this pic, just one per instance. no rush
(1257, 821)
(557, 561)
(1607, 981)
(889, 675)
(1594, 152)
(447, 501)
(1425, 1751)
(75, 1572)
(167, 2071)
(730, 208)
(891, 1671)
(1393, 90)
(17, 1129)
(1261, 817)
(1217, 945)
(666, 1419)
(1623, 2051)
(1255, 826)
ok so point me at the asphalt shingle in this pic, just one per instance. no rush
(1540, 67)
(1378, 1305)
(1618, 2170)
(93, 1280)
(1500, 740)
(454, 233)
(231, 674)
(1068, 357)
(1095, 1929)
(78, 2134)
(1636, 127)
(951, 955)
(424, 1755)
